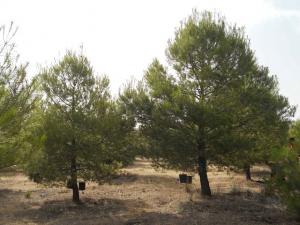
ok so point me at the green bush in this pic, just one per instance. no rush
(286, 180)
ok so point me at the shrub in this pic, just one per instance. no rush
(286, 181)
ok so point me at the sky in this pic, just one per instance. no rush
(121, 38)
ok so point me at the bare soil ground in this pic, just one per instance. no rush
(142, 195)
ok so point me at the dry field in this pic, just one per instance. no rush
(142, 195)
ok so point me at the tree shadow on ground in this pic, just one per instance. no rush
(241, 208)
(238, 208)
(6, 194)
(144, 179)
(91, 211)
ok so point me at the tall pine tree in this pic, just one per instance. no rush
(216, 106)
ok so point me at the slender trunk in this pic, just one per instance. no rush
(74, 175)
(202, 170)
(247, 172)
(202, 164)
(74, 181)
(73, 159)
(76, 193)
(274, 170)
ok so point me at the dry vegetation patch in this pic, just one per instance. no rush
(141, 195)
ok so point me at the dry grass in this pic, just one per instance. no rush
(141, 195)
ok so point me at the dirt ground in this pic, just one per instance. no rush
(142, 195)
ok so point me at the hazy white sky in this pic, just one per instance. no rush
(122, 37)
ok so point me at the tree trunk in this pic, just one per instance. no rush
(76, 193)
(202, 168)
(74, 180)
(247, 172)
(204, 183)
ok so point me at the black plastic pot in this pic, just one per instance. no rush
(81, 185)
(189, 179)
(182, 178)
